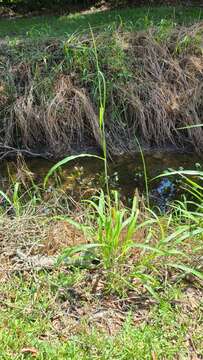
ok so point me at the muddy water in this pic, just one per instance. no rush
(125, 172)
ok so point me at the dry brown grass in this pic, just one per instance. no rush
(62, 235)
(26, 232)
(59, 123)
(166, 90)
(163, 93)
(34, 235)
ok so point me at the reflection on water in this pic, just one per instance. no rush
(125, 172)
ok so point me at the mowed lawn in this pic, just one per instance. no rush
(132, 18)
(35, 323)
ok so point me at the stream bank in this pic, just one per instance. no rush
(49, 103)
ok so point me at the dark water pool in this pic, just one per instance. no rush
(125, 172)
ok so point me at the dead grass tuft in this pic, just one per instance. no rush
(34, 235)
(60, 123)
(62, 235)
(166, 90)
(154, 86)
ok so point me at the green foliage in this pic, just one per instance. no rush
(164, 29)
(131, 19)
(65, 161)
(116, 227)
(133, 250)
(31, 315)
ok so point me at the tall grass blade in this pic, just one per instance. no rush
(145, 171)
(65, 161)
(188, 270)
(6, 198)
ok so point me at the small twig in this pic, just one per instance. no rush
(9, 150)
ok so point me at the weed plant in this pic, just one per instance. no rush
(117, 226)
(131, 250)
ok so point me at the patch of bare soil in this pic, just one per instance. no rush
(88, 303)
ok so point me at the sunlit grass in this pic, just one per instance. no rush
(31, 317)
(125, 260)
(132, 19)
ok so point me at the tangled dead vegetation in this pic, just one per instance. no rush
(34, 237)
(49, 99)
(169, 90)
(61, 121)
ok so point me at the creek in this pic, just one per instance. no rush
(81, 177)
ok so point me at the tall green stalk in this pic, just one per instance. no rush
(102, 109)
(145, 172)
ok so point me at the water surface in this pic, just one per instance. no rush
(125, 172)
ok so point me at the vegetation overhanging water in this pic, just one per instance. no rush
(85, 175)
(85, 244)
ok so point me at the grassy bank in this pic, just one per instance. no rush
(152, 79)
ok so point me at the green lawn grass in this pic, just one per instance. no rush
(31, 310)
(134, 18)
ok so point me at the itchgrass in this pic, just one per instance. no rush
(114, 261)
(126, 256)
